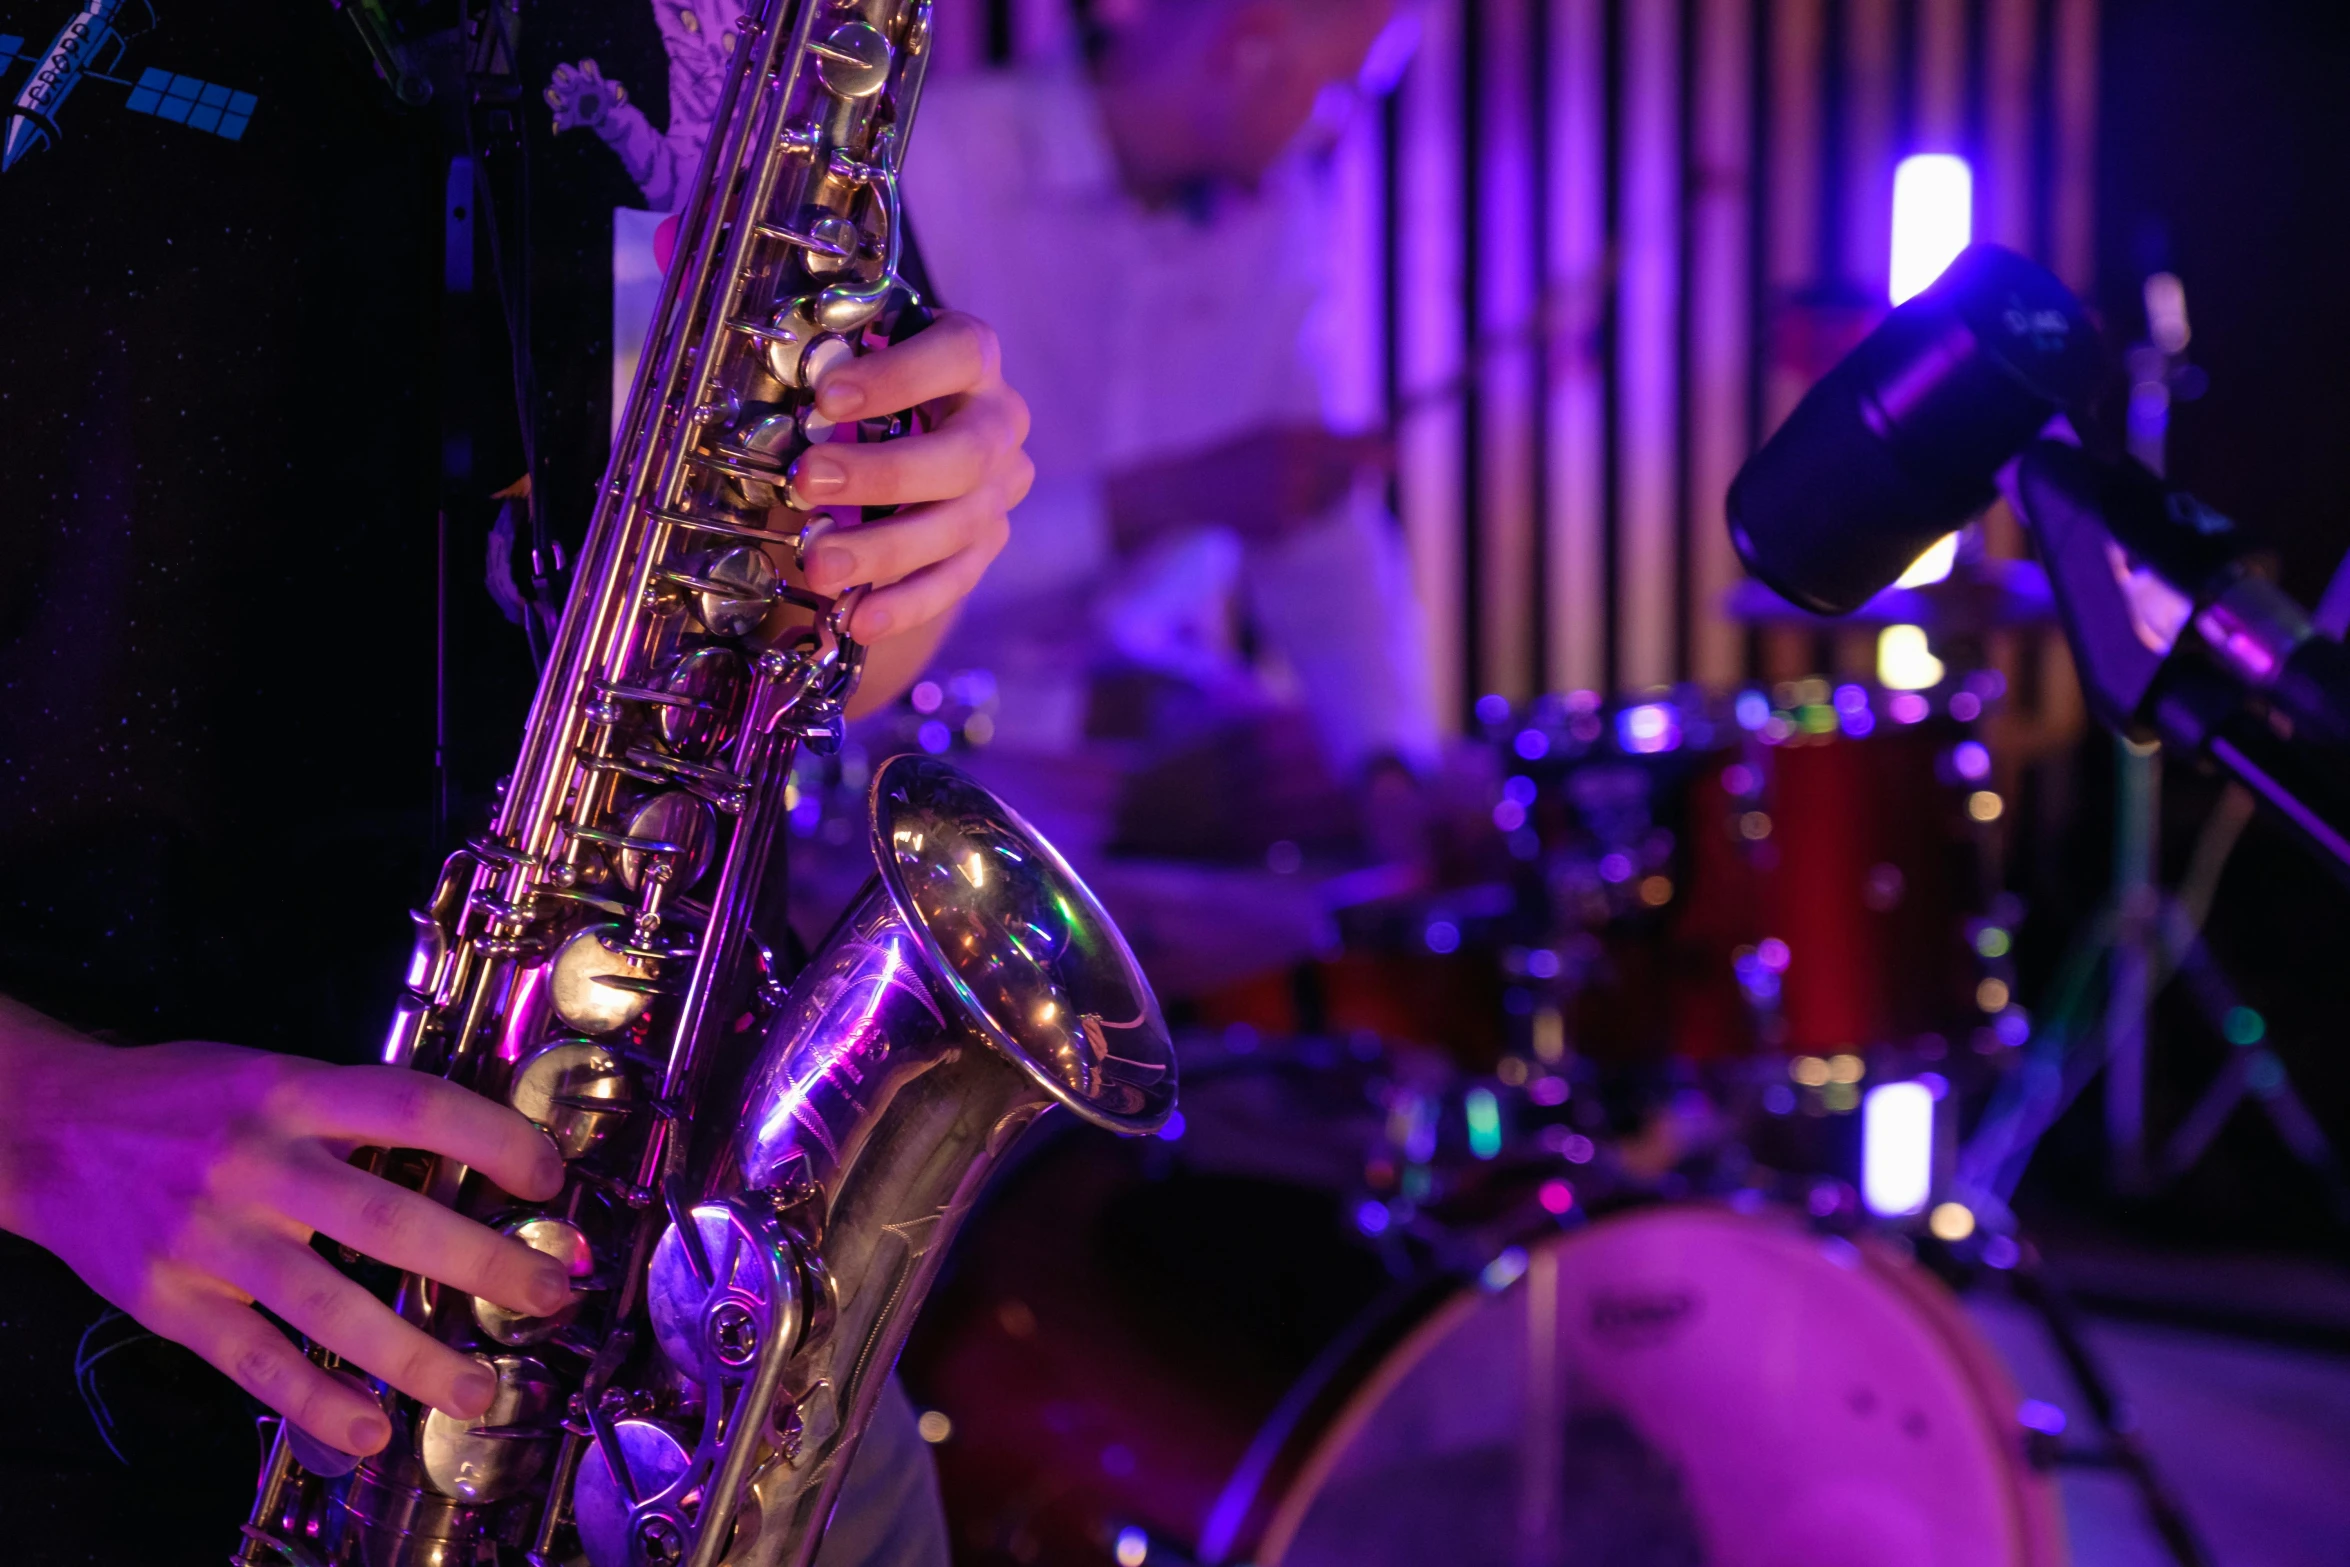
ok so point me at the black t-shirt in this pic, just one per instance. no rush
(230, 373)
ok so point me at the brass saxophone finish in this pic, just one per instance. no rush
(763, 1175)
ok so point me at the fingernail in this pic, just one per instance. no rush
(817, 475)
(872, 624)
(838, 399)
(370, 1432)
(549, 1173)
(834, 564)
(476, 1386)
(550, 1290)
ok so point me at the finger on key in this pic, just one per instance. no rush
(937, 466)
(412, 1232)
(297, 1284)
(394, 1107)
(903, 543)
(953, 354)
(259, 1359)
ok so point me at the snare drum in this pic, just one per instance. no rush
(1213, 1351)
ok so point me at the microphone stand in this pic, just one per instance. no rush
(2140, 573)
(2134, 565)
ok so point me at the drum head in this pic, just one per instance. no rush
(1680, 1386)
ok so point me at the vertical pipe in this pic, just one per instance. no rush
(2073, 200)
(1865, 161)
(1940, 112)
(1797, 58)
(1647, 356)
(1503, 342)
(1472, 319)
(1577, 285)
(2003, 214)
(1721, 334)
(1793, 225)
(2003, 184)
(1870, 71)
(1429, 265)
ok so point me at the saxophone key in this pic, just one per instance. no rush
(477, 1461)
(674, 825)
(712, 679)
(597, 989)
(579, 1093)
(559, 1239)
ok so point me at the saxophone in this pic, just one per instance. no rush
(764, 1168)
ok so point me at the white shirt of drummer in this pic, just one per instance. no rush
(1137, 334)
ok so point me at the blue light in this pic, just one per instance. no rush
(935, 737)
(1753, 709)
(1518, 789)
(1442, 936)
(1372, 1218)
(1504, 1270)
(1172, 1131)
(1532, 744)
(1484, 1116)
(1493, 709)
(2034, 1415)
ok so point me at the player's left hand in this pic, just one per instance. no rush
(958, 476)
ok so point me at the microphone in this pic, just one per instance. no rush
(1901, 442)
(1911, 434)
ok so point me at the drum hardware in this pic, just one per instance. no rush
(2123, 1449)
(1214, 1375)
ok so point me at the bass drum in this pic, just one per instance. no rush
(1197, 1352)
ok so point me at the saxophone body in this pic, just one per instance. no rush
(764, 1168)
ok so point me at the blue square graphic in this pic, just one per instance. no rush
(9, 45)
(142, 100)
(241, 103)
(213, 94)
(232, 126)
(205, 117)
(174, 108)
(154, 80)
(185, 87)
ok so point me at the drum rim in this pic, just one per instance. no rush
(2035, 1515)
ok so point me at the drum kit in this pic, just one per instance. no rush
(1592, 1202)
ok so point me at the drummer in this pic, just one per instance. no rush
(1147, 226)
